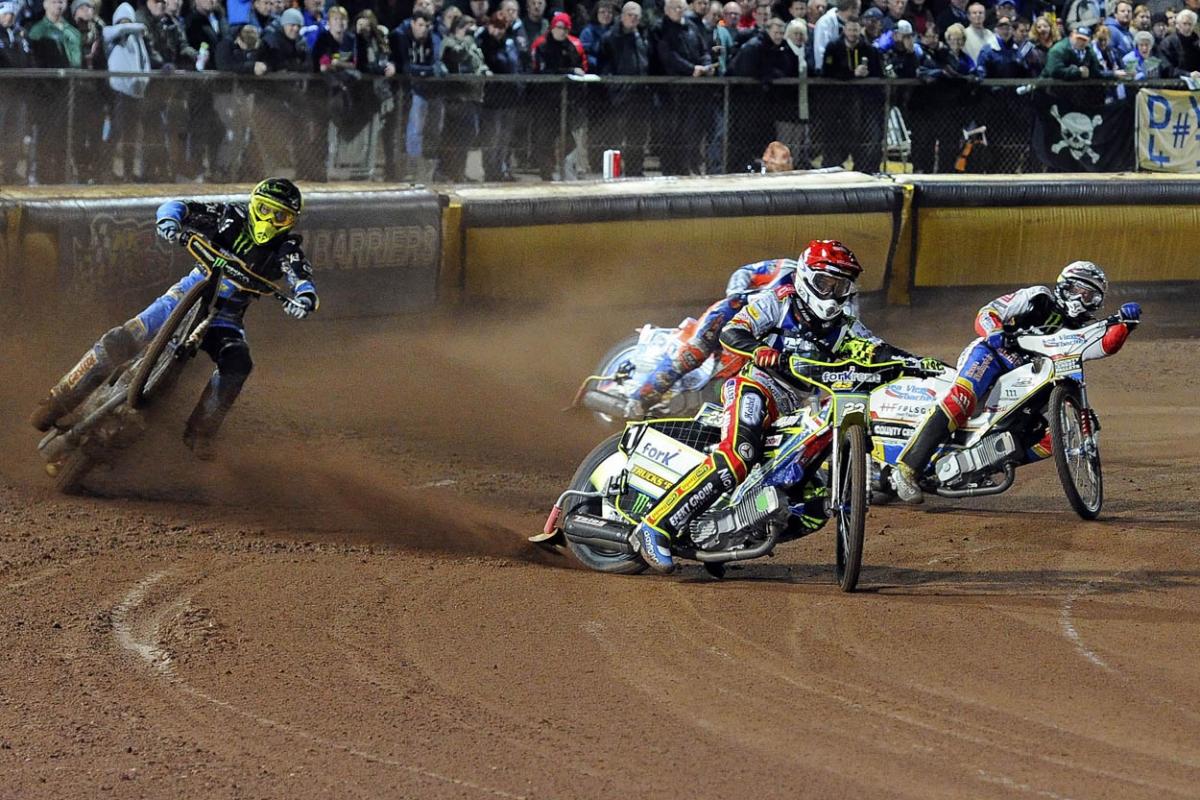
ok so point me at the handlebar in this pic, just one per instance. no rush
(215, 258)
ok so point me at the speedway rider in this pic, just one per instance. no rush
(1078, 292)
(259, 233)
(805, 312)
(704, 340)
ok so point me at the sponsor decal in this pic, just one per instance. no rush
(650, 477)
(746, 451)
(641, 504)
(913, 393)
(893, 431)
(1065, 340)
(753, 312)
(850, 376)
(726, 478)
(82, 368)
(680, 517)
(658, 455)
(752, 409)
(979, 368)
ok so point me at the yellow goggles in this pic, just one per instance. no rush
(266, 212)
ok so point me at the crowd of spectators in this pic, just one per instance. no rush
(429, 127)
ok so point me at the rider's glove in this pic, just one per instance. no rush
(766, 357)
(300, 307)
(999, 340)
(1131, 312)
(931, 365)
(169, 229)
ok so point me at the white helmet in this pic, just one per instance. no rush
(1081, 287)
(825, 278)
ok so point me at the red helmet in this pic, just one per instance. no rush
(828, 270)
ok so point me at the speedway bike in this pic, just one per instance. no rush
(610, 393)
(1047, 395)
(816, 463)
(113, 417)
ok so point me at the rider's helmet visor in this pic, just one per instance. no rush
(269, 219)
(1090, 296)
(826, 285)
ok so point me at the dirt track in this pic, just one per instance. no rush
(344, 606)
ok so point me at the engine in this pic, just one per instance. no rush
(988, 456)
(731, 528)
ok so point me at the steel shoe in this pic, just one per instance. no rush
(655, 548)
(904, 482)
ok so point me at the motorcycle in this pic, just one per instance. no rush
(1048, 394)
(626, 367)
(112, 417)
(816, 460)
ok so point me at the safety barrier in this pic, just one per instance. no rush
(593, 244)
(95, 244)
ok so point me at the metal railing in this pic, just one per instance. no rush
(69, 126)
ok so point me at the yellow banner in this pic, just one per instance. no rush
(1168, 130)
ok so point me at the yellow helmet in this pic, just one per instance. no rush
(274, 205)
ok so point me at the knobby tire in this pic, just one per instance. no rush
(851, 523)
(1064, 400)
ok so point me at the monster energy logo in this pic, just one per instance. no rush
(1053, 320)
(641, 505)
(241, 243)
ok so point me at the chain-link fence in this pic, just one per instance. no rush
(89, 127)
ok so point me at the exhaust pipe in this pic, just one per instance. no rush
(981, 491)
(604, 403)
(603, 534)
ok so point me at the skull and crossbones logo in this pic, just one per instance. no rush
(1077, 132)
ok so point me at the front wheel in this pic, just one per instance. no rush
(1076, 452)
(594, 557)
(850, 509)
(160, 365)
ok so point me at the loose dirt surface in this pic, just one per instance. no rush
(343, 604)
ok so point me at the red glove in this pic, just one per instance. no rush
(766, 357)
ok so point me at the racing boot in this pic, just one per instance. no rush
(113, 348)
(202, 426)
(915, 458)
(655, 548)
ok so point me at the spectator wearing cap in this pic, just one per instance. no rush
(1004, 61)
(978, 37)
(56, 43)
(1002, 8)
(125, 51)
(829, 28)
(282, 48)
(206, 25)
(1119, 28)
(901, 54)
(920, 16)
(1072, 58)
(953, 14)
(872, 25)
(627, 125)
(1087, 13)
(1180, 51)
(500, 99)
(1142, 64)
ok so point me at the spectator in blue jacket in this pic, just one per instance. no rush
(1005, 61)
(1118, 24)
(415, 47)
(592, 35)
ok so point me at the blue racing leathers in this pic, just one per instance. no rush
(280, 259)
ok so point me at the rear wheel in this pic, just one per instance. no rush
(621, 351)
(160, 365)
(851, 511)
(1076, 452)
(594, 557)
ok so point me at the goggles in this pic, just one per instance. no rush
(280, 217)
(826, 284)
(1090, 296)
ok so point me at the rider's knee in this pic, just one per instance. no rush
(119, 344)
(234, 361)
